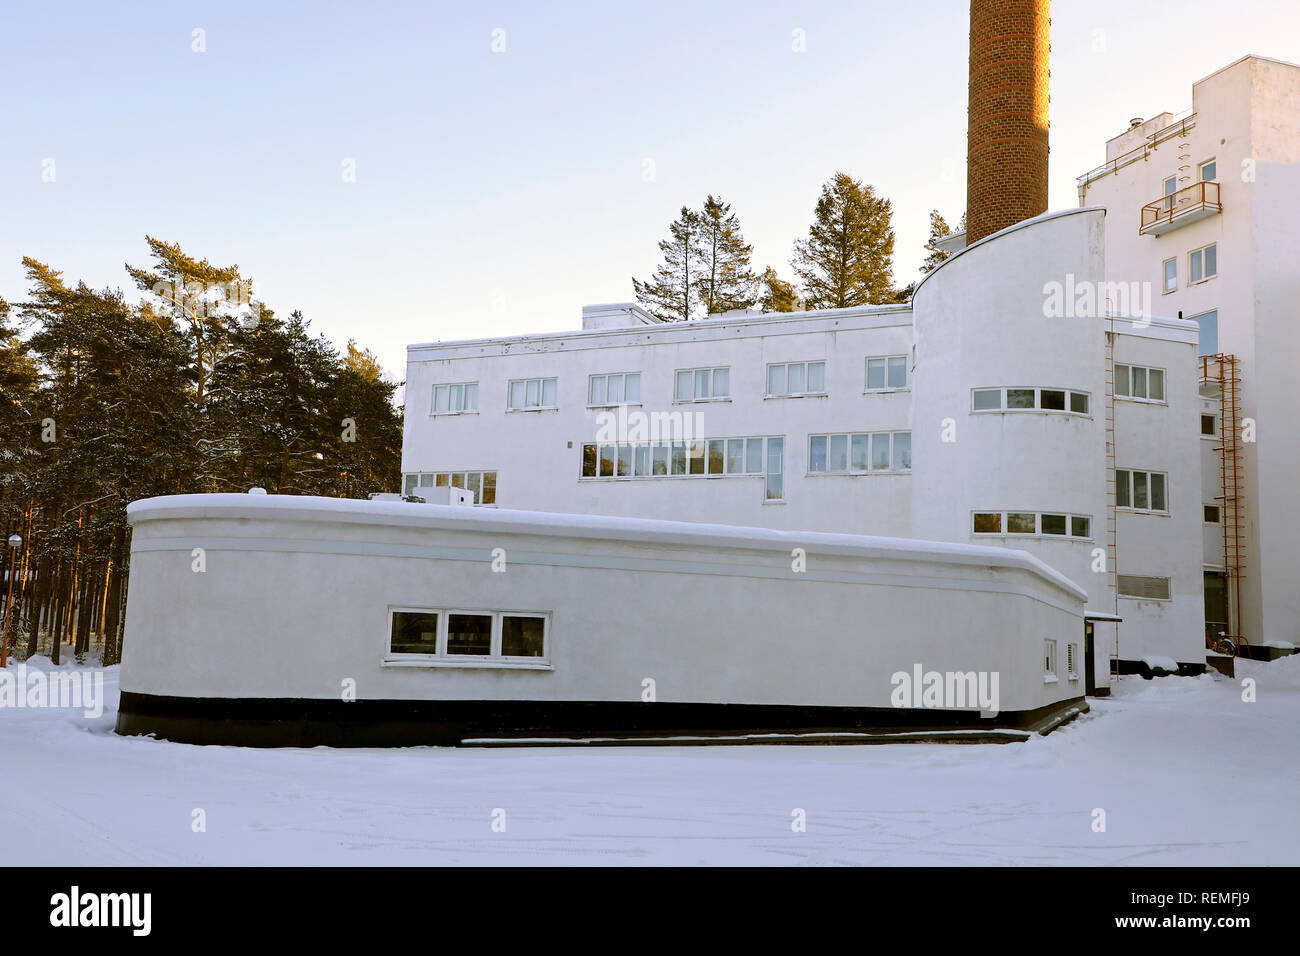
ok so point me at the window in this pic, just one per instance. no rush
(1209, 425)
(886, 372)
(621, 388)
(483, 484)
(1140, 490)
(1029, 399)
(1140, 383)
(1209, 171)
(532, 394)
(1171, 187)
(1171, 275)
(793, 379)
(702, 384)
(775, 469)
(1049, 660)
(1147, 588)
(714, 457)
(1032, 522)
(1203, 263)
(1211, 514)
(455, 399)
(451, 637)
(860, 453)
(1209, 338)
(1072, 661)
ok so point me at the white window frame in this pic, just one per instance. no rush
(866, 371)
(433, 483)
(464, 409)
(591, 380)
(1038, 390)
(1128, 395)
(1218, 513)
(1049, 661)
(1200, 169)
(1004, 526)
(1212, 435)
(849, 470)
(1168, 283)
(764, 444)
(807, 392)
(1205, 275)
(713, 371)
(541, 394)
(440, 658)
(1131, 481)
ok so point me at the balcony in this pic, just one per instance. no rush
(1182, 208)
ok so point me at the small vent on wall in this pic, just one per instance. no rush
(1138, 586)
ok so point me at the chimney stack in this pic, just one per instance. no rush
(1006, 143)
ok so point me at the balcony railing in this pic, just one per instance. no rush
(1184, 207)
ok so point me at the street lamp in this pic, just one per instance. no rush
(15, 542)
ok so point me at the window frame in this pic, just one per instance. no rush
(1037, 407)
(1200, 169)
(849, 471)
(541, 394)
(886, 359)
(1191, 259)
(1165, 279)
(1050, 661)
(806, 393)
(434, 475)
(494, 659)
(606, 375)
(433, 398)
(1131, 491)
(1004, 524)
(1128, 395)
(711, 397)
(1205, 513)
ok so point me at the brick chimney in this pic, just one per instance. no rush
(1006, 143)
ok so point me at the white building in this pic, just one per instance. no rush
(1205, 207)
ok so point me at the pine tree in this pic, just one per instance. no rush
(939, 229)
(726, 280)
(672, 294)
(847, 258)
(777, 295)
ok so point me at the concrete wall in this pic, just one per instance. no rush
(295, 595)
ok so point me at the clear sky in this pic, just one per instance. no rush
(498, 192)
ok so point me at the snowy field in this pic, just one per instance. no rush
(1186, 772)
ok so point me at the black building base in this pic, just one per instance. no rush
(300, 722)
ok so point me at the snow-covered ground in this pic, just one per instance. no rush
(1185, 771)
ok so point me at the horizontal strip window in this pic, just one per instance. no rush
(1069, 401)
(1140, 586)
(886, 372)
(482, 484)
(859, 453)
(1141, 490)
(701, 458)
(445, 636)
(795, 379)
(1046, 523)
(702, 384)
(532, 394)
(1140, 383)
(455, 399)
(619, 388)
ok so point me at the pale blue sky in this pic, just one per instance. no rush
(497, 193)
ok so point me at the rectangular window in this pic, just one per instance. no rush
(615, 389)
(793, 379)
(696, 457)
(753, 456)
(1052, 400)
(1140, 490)
(902, 451)
(702, 384)
(1211, 514)
(1022, 522)
(1049, 659)
(482, 485)
(1208, 426)
(1079, 402)
(531, 394)
(455, 399)
(1020, 398)
(838, 458)
(1171, 275)
(775, 469)
(1139, 382)
(659, 466)
(641, 463)
(717, 456)
(886, 372)
(522, 635)
(1203, 263)
(469, 634)
(1031, 522)
(1208, 343)
(1209, 171)
(859, 453)
(1053, 524)
(735, 456)
(988, 522)
(1140, 586)
(414, 633)
(986, 398)
(1080, 526)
